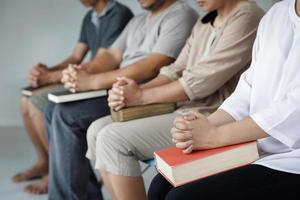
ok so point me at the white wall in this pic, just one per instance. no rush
(33, 31)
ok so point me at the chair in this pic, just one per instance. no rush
(149, 163)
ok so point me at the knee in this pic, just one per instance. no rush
(25, 106)
(62, 115)
(28, 109)
(95, 128)
(109, 138)
(92, 133)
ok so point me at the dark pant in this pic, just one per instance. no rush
(249, 182)
(70, 174)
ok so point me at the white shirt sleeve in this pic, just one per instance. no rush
(281, 119)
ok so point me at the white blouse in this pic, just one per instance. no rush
(269, 91)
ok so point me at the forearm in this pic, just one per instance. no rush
(171, 92)
(55, 72)
(220, 117)
(105, 60)
(107, 79)
(61, 66)
(159, 80)
(239, 132)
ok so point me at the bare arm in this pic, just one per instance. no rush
(220, 117)
(40, 74)
(239, 132)
(105, 60)
(140, 71)
(200, 133)
(170, 92)
(159, 80)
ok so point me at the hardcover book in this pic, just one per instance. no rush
(29, 90)
(137, 112)
(179, 168)
(67, 96)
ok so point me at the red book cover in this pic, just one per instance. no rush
(179, 168)
(174, 156)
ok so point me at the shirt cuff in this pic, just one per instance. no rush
(233, 113)
(264, 125)
(166, 72)
(187, 89)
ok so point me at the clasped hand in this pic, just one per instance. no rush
(39, 75)
(124, 93)
(75, 78)
(194, 132)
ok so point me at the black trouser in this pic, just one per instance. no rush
(250, 182)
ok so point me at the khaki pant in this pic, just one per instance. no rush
(117, 147)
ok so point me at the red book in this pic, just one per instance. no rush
(179, 168)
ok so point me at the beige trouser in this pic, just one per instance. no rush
(117, 147)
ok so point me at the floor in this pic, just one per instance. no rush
(17, 153)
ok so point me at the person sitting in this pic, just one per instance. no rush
(264, 107)
(204, 74)
(151, 40)
(92, 37)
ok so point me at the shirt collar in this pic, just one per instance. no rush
(108, 7)
(292, 10)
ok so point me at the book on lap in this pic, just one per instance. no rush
(137, 112)
(67, 96)
(29, 90)
(179, 168)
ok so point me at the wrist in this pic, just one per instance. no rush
(92, 82)
(220, 137)
(56, 76)
(143, 99)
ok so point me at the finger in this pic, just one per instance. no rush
(117, 90)
(182, 136)
(120, 82)
(68, 85)
(195, 114)
(78, 67)
(73, 90)
(114, 104)
(184, 145)
(190, 117)
(183, 125)
(188, 150)
(179, 119)
(116, 97)
(120, 107)
(63, 79)
(70, 68)
(126, 80)
(35, 72)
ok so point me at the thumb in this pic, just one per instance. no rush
(126, 80)
(78, 67)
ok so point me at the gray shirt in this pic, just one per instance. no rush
(165, 33)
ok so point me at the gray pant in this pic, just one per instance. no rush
(118, 147)
(40, 99)
(70, 174)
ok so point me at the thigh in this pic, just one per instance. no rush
(40, 99)
(249, 182)
(143, 136)
(82, 113)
